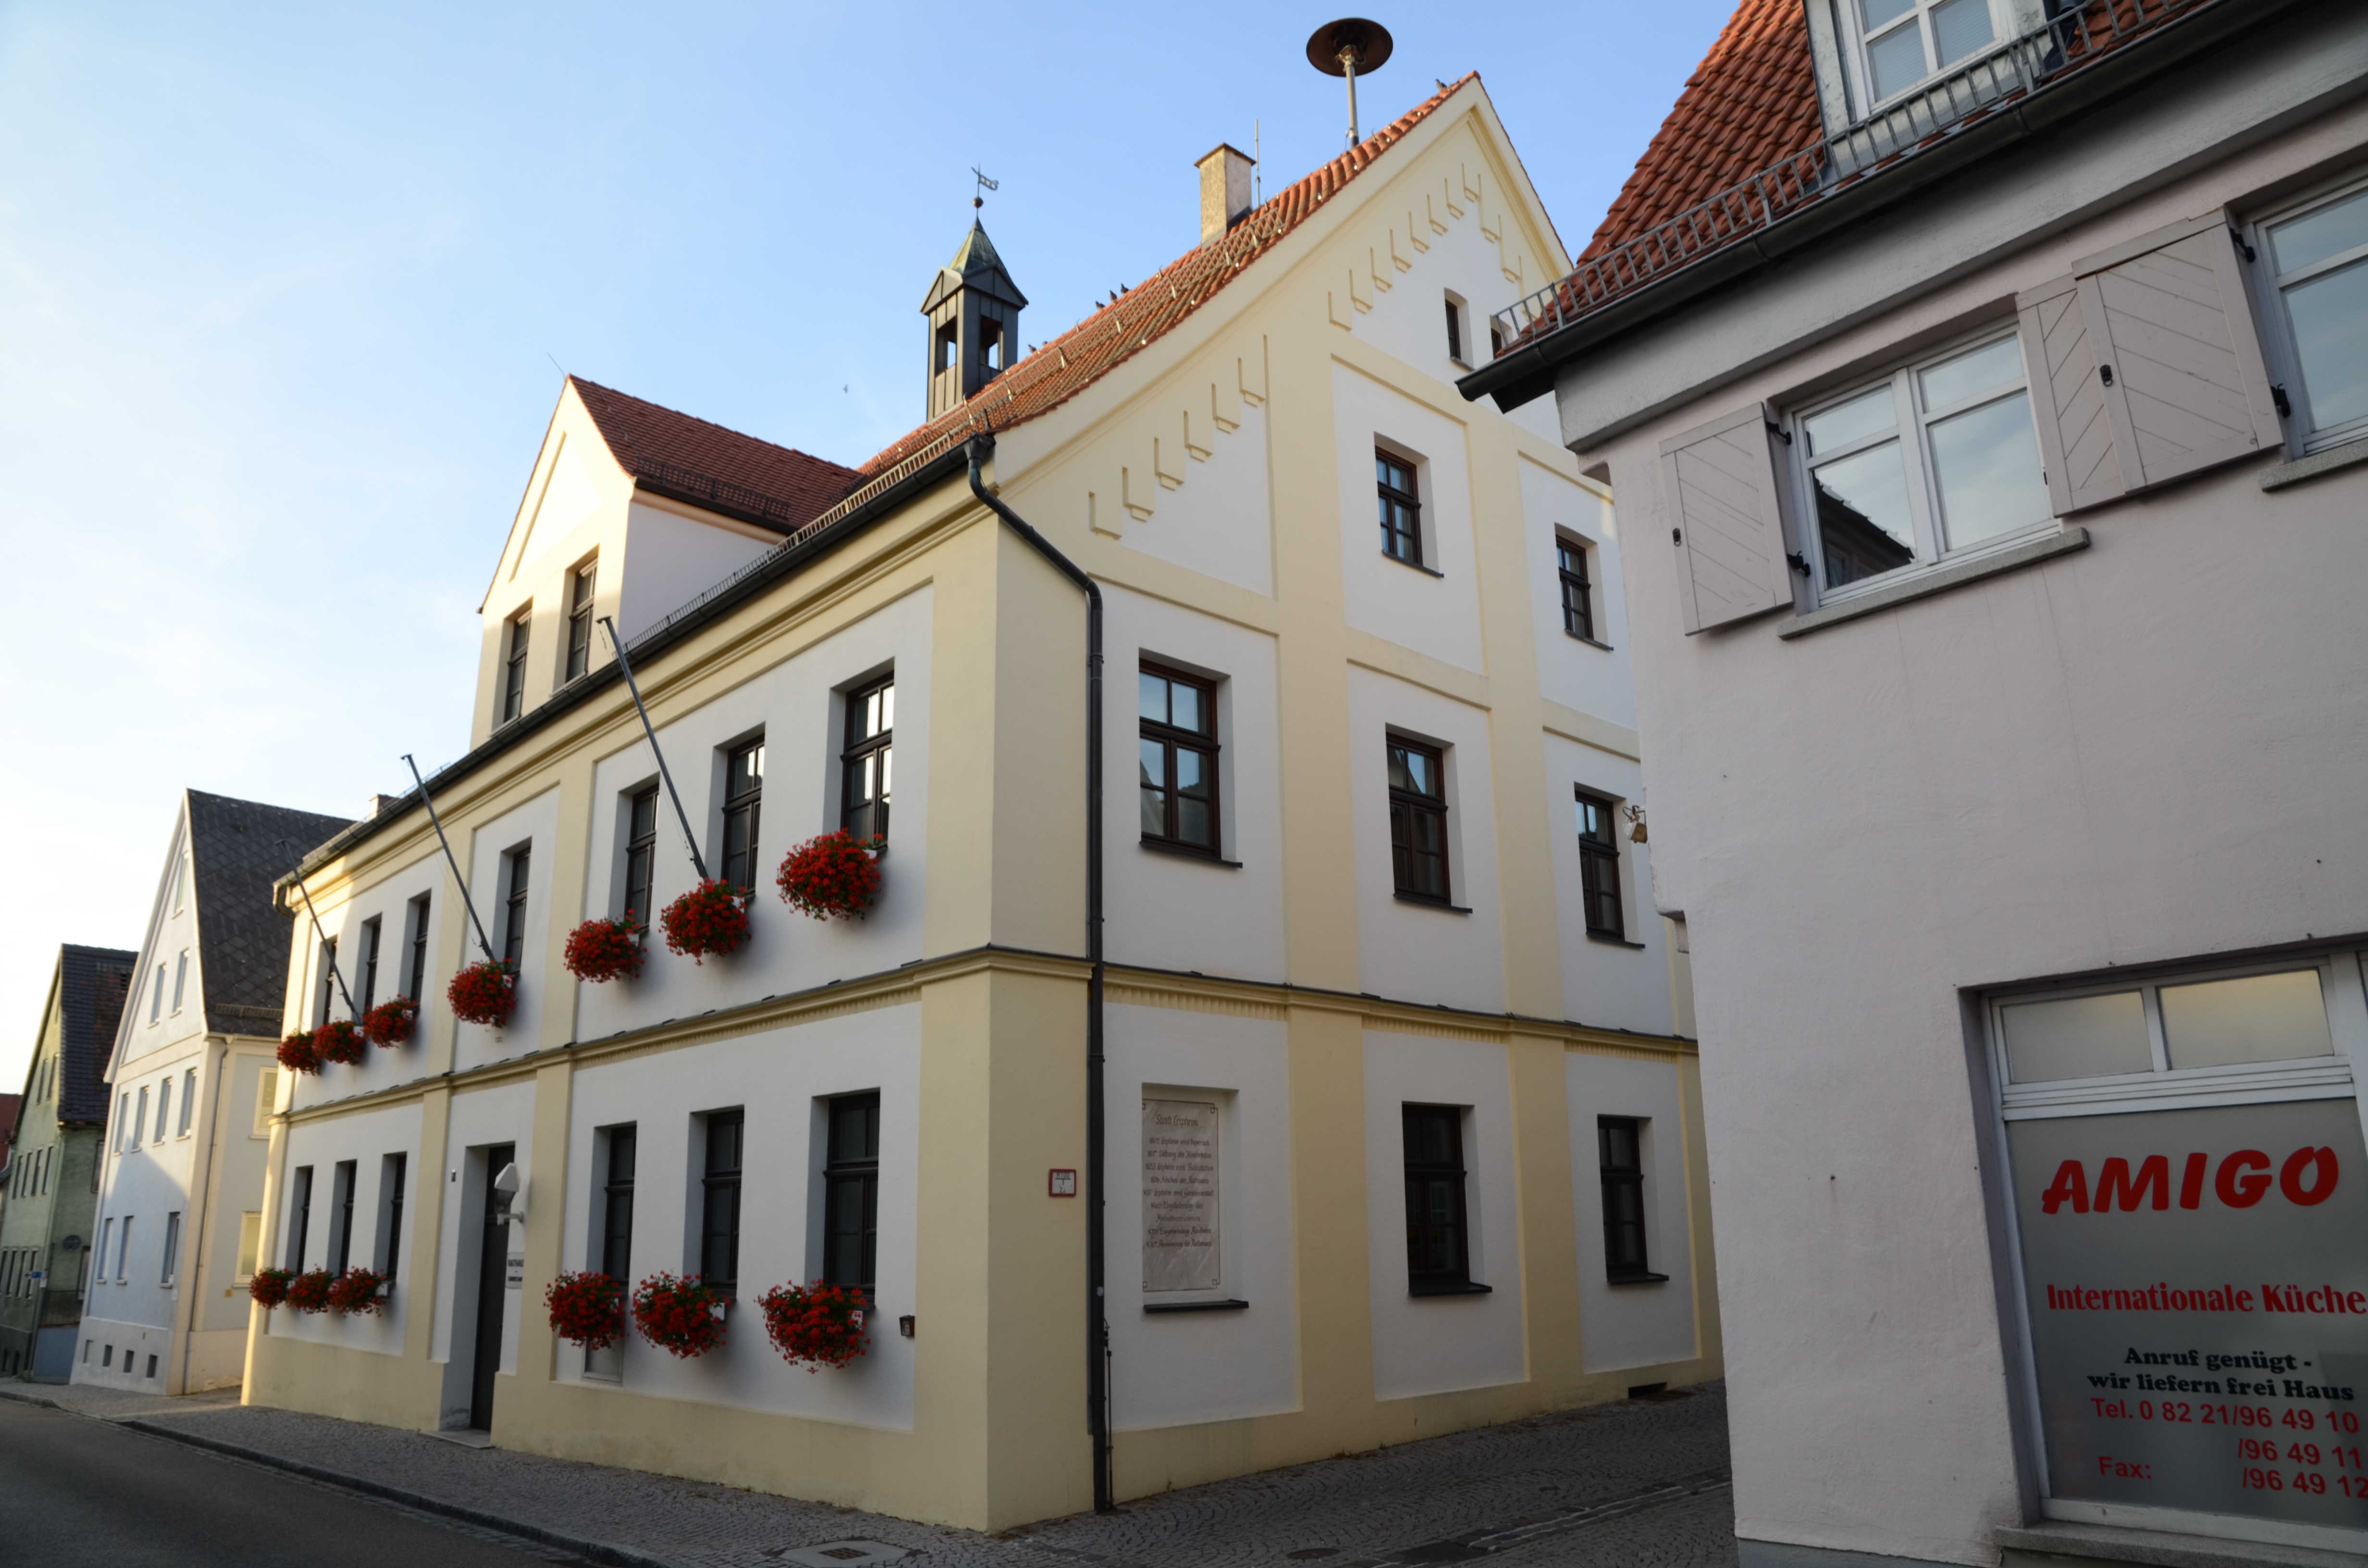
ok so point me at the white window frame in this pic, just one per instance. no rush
(1913, 431)
(1851, 17)
(2277, 328)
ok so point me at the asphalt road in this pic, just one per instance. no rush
(81, 1490)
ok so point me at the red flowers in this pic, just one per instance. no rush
(679, 1316)
(390, 1023)
(819, 1324)
(835, 877)
(309, 1291)
(299, 1054)
(269, 1286)
(356, 1290)
(483, 993)
(338, 1040)
(589, 1309)
(606, 949)
(712, 919)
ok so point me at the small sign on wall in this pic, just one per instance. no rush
(1180, 1196)
(1061, 1184)
(515, 1277)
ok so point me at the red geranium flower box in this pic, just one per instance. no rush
(682, 1317)
(269, 1286)
(835, 877)
(709, 921)
(483, 993)
(822, 1325)
(338, 1040)
(606, 949)
(588, 1308)
(357, 1290)
(309, 1291)
(299, 1054)
(390, 1023)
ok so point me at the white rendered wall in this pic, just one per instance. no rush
(2143, 752)
(1631, 1325)
(1435, 612)
(242, 1155)
(778, 1075)
(1167, 911)
(1209, 1366)
(540, 985)
(1571, 672)
(1604, 983)
(668, 560)
(1418, 951)
(1220, 521)
(1435, 1343)
(366, 1138)
(144, 1182)
(480, 1120)
(798, 707)
(389, 902)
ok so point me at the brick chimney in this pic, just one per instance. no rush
(1224, 190)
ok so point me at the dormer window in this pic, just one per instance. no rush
(1903, 43)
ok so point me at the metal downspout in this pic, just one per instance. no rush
(1097, 1318)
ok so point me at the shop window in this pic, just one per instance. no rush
(1178, 759)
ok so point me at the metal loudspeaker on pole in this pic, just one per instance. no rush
(1343, 48)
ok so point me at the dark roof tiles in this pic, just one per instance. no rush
(94, 983)
(242, 937)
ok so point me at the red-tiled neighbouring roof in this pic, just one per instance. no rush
(1068, 364)
(1752, 101)
(673, 451)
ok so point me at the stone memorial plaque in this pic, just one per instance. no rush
(1180, 1195)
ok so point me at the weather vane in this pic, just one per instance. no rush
(984, 185)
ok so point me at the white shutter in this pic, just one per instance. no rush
(2067, 400)
(2167, 318)
(1723, 488)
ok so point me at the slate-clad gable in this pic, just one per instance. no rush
(243, 939)
(94, 983)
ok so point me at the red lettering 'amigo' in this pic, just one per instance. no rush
(2237, 1187)
(2154, 1174)
(2072, 1182)
(2320, 1163)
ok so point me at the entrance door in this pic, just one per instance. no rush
(493, 1292)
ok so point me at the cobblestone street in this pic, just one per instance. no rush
(1637, 1484)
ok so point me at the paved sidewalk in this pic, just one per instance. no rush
(1637, 1484)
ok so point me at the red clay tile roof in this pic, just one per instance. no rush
(676, 454)
(1114, 334)
(1751, 101)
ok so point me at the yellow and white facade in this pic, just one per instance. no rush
(1218, 484)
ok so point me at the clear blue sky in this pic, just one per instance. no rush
(282, 293)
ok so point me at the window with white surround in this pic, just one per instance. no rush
(180, 979)
(2312, 258)
(1935, 460)
(188, 1102)
(1902, 44)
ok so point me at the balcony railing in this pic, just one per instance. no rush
(1926, 118)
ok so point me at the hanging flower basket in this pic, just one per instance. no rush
(269, 1286)
(821, 1325)
(299, 1054)
(390, 1023)
(682, 1317)
(835, 877)
(709, 921)
(338, 1040)
(357, 1290)
(606, 949)
(483, 993)
(588, 1308)
(309, 1291)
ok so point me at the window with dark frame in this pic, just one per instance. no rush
(1418, 821)
(300, 1218)
(1496, 338)
(514, 669)
(719, 1229)
(1454, 331)
(329, 986)
(341, 1215)
(867, 763)
(1401, 507)
(617, 1206)
(1621, 1141)
(1439, 1259)
(851, 1194)
(514, 907)
(579, 617)
(415, 982)
(396, 1167)
(1577, 598)
(1599, 865)
(371, 930)
(744, 800)
(640, 851)
(1178, 759)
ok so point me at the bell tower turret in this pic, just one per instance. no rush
(974, 310)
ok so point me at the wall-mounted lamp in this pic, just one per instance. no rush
(509, 1194)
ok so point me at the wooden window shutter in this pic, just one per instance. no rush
(1725, 505)
(2167, 316)
(2067, 400)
